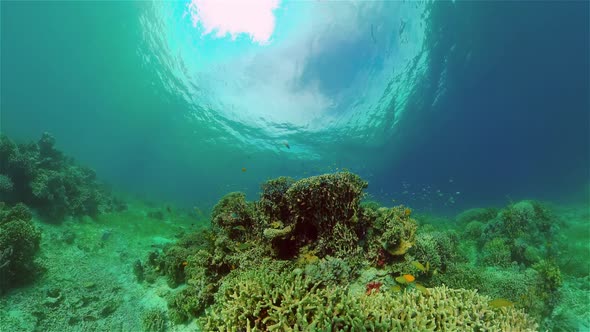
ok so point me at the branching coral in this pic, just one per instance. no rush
(319, 202)
(257, 300)
(317, 237)
(273, 202)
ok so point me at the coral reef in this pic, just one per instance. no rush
(288, 262)
(19, 243)
(504, 253)
(262, 300)
(321, 211)
(42, 177)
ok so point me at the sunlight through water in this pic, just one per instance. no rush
(308, 71)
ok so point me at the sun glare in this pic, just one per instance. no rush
(222, 17)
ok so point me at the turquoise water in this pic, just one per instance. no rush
(440, 106)
(405, 92)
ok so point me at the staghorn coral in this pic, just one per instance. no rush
(272, 300)
(442, 309)
(260, 300)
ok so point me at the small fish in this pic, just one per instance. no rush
(409, 278)
(396, 288)
(419, 266)
(286, 144)
(500, 302)
(106, 235)
(407, 212)
(422, 289)
(243, 246)
(168, 209)
(401, 280)
(243, 169)
(198, 211)
(240, 228)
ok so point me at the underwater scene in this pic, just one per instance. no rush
(294, 165)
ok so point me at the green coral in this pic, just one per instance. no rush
(320, 210)
(318, 203)
(390, 230)
(438, 249)
(317, 237)
(154, 320)
(329, 271)
(473, 230)
(496, 253)
(478, 214)
(273, 201)
(259, 300)
(54, 185)
(19, 243)
(202, 274)
(549, 284)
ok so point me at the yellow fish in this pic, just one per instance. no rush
(405, 279)
(499, 303)
(419, 266)
(409, 278)
(401, 280)
(422, 289)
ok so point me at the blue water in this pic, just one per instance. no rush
(441, 106)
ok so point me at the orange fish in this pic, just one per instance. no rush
(409, 277)
(243, 169)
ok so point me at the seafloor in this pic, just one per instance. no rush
(308, 255)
